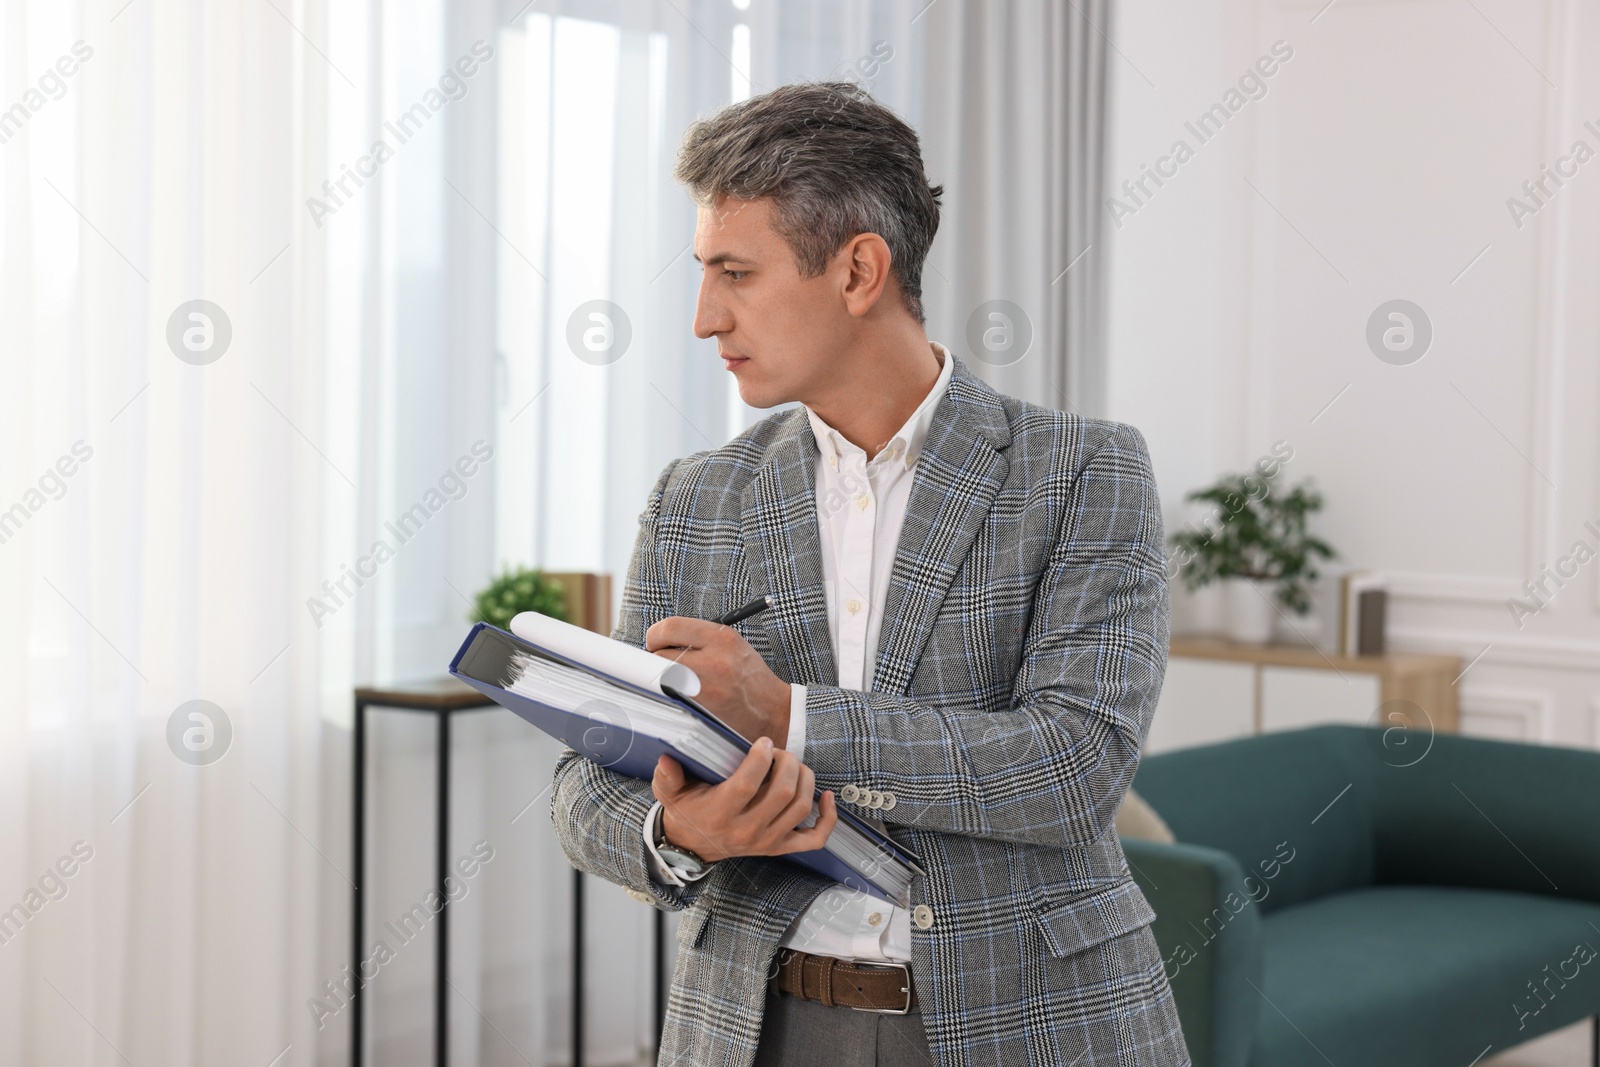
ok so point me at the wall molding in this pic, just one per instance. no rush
(1548, 340)
(1440, 588)
(1563, 112)
(1453, 588)
(1532, 710)
(1516, 651)
(1596, 603)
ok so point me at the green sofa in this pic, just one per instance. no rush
(1359, 897)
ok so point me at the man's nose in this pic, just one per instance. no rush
(709, 318)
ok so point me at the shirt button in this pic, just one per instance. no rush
(862, 502)
(922, 915)
(875, 918)
(833, 461)
(853, 606)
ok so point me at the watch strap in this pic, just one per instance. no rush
(685, 860)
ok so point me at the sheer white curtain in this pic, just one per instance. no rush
(164, 507)
(1016, 105)
(188, 491)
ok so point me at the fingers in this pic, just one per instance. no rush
(788, 791)
(680, 631)
(798, 807)
(755, 811)
(746, 779)
(774, 794)
(667, 782)
(816, 836)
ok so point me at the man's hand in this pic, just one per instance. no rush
(736, 685)
(754, 812)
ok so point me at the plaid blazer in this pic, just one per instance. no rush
(1023, 647)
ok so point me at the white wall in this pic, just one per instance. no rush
(1378, 166)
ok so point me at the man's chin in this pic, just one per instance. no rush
(760, 397)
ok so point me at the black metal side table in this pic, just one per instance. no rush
(444, 697)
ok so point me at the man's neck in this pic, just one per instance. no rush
(886, 385)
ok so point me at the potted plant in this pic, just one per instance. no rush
(1258, 545)
(518, 590)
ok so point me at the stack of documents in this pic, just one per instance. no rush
(622, 707)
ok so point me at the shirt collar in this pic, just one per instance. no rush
(906, 444)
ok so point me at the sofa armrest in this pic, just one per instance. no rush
(1209, 931)
(1490, 815)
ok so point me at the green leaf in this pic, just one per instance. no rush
(516, 591)
(1254, 531)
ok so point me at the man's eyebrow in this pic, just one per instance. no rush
(722, 257)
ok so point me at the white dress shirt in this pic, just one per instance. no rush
(861, 507)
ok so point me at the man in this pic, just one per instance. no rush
(967, 637)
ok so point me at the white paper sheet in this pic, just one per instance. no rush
(644, 669)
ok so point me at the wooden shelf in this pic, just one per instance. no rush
(1414, 679)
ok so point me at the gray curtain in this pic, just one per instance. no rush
(1014, 126)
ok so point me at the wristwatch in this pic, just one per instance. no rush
(676, 856)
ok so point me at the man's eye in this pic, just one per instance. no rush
(734, 274)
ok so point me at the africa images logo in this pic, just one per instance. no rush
(199, 332)
(199, 732)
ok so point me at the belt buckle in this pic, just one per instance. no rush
(905, 969)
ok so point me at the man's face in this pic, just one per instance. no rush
(777, 332)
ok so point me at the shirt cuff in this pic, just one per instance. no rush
(797, 722)
(660, 870)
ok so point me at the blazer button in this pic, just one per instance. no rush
(922, 915)
(850, 794)
(874, 799)
(888, 800)
(643, 898)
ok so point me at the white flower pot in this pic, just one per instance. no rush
(1251, 609)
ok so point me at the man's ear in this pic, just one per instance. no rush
(867, 260)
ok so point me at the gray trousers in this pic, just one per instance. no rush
(804, 1033)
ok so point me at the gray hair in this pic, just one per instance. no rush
(835, 162)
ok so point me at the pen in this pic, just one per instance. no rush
(755, 607)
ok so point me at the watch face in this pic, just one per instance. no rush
(685, 860)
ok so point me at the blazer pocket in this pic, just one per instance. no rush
(1096, 916)
(692, 925)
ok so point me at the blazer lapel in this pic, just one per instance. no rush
(957, 476)
(778, 517)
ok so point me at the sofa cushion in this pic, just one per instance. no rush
(1422, 975)
(1490, 815)
(1136, 818)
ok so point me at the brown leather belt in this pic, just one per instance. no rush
(882, 988)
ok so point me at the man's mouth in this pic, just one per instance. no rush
(731, 361)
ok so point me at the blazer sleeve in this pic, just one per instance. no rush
(598, 813)
(1053, 767)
